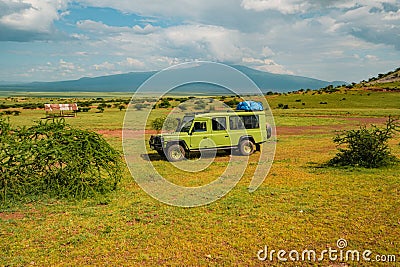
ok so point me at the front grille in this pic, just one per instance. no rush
(155, 142)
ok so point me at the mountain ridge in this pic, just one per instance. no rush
(129, 82)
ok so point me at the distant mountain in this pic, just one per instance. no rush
(9, 82)
(112, 83)
(129, 82)
(283, 82)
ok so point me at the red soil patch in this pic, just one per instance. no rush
(128, 133)
(11, 215)
(111, 133)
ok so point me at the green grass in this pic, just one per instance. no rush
(388, 85)
(348, 100)
(111, 119)
(299, 205)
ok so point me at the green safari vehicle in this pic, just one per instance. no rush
(244, 131)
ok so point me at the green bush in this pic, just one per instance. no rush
(53, 159)
(158, 123)
(164, 103)
(283, 106)
(366, 147)
(232, 103)
(164, 123)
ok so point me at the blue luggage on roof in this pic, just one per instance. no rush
(250, 106)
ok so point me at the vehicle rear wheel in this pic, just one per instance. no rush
(246, 147)
(175, 153)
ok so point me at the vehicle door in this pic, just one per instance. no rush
(236, 129)
(219, 132)
(200, 134)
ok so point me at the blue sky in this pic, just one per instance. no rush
(47, 40)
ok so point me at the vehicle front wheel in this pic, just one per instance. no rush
(175, 153)
(246, 147)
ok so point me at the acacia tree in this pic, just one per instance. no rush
(365, 147)
(54, 159)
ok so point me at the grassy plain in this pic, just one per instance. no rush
(299, 206)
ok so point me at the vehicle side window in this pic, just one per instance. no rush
(244, 122)
(219, 124)
(250, 122)
(235, 123)
(200, 126)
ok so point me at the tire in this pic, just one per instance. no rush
(175, 153)
(246, 147)
(269, 131)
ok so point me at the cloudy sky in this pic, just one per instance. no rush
(48, 40)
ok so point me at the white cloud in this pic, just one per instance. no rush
(371, 23)
(265, 65)
(283, 6)
(29, 19)
(174, 8)
(67, 68)
(166, 61)
(372, 57)
(63, 69)
(8, 7)
(184, 42)
(104, 66)
(132, 62)
(310, 38)
(145, 30)
(81, 53)
(206, 41)
(392, 16)
(101, 28)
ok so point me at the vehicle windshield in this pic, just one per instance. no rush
(184, 126)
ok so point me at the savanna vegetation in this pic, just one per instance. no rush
(366, 147)
(302, 204)
(53, 159)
